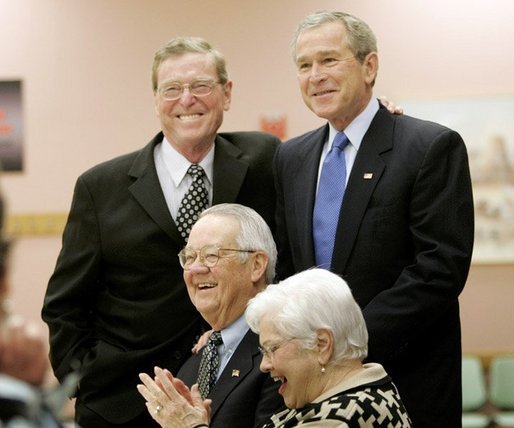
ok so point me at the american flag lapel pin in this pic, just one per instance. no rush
(235, 373)
(368, 175)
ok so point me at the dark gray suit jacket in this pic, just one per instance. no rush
(243, 396)
(403, 244)
(116, 304)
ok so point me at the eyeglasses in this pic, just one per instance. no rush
(209, 255)
(268, 351)
(198, 88)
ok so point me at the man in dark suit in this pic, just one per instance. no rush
(116, 304)
(230, 257)
(403, 232)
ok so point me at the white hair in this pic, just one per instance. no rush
(254, 233)
(308, 301)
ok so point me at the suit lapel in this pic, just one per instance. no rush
(244, 360)
(229, 172)
(366, 173)
(188, 373)
(305, 183)
(146, 189)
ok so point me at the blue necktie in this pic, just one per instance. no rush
(331, 186)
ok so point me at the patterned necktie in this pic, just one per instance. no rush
(194, 201)
(209, 364)
(332, 183)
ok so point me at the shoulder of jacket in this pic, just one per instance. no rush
(242, 136)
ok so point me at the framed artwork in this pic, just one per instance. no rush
(487, 127)
(11, 126)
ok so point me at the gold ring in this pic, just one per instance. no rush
(158, 409)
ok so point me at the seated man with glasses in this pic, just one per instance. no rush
(229, 258)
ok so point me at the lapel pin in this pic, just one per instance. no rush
(235, 373)
(368, 175)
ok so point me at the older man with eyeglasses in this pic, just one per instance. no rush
(229, 258)
(116, 304)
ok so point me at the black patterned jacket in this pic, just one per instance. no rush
(369, 400)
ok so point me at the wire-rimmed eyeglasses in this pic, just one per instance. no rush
(199, 88)
(209, 255)
(268, 351)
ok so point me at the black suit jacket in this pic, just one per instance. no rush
(403, 243)
(243, 396)
(116, 304)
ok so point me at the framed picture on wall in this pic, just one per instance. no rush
(11, 126)
(487, 127)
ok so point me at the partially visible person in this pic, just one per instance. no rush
(386, 202)
(116, 304)
(23, 350)
(229, 258)
(314, 339)
(23, 359)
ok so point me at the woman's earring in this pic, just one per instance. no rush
(323, 370)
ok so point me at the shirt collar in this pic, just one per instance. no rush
(356, 130)
(234, 333)
(370, 372)
(178, 165)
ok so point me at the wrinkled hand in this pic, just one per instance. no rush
(204, 338)
(23, 353)
(390, 105)
(171, 403)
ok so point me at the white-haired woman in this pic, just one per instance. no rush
(314, 339)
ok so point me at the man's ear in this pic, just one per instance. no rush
(227, 95)
(370, 67)
(259, 265)
(156, 104)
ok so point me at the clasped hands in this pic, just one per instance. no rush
(171, 403)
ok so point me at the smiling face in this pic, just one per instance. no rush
(190, 123)
(287, 362)
(334, 84)
(220, 293)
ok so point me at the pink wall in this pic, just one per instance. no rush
(87, 96)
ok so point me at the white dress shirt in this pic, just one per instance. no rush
(172, 169)
(355, 132)
(232, 336)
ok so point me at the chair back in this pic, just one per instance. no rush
(501, 382)
(474, 393)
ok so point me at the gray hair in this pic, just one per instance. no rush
(254, 233)
(183, 45)
(308, 301)
(361, 39)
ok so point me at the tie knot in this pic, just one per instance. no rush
(215, 338)
(195, 170)
(340, 141)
